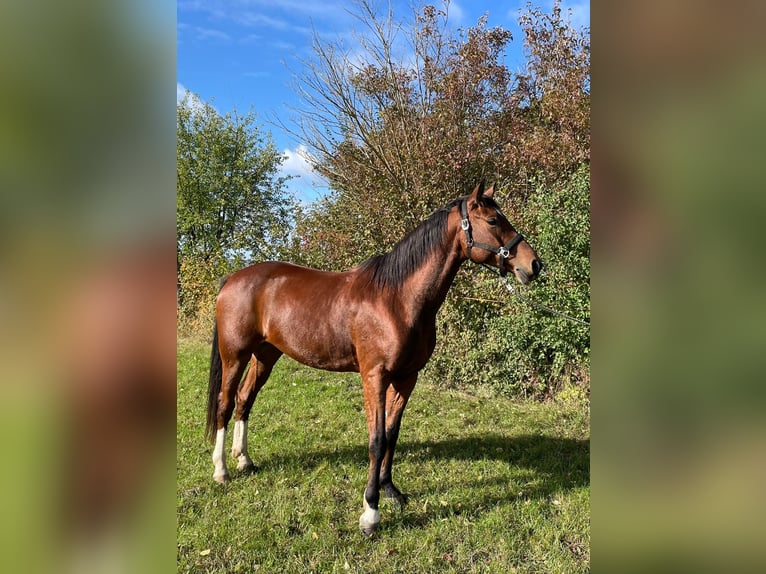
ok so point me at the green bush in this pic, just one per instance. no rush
(489, 338)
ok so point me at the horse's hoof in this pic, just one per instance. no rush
(369, 520)
(222, 478)
(246, 467)
(400, 500)
(390, 491)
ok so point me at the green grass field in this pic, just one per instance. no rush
(494, 485)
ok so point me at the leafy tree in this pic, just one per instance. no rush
(547, 116)
(417, 113)
(232, 209)
(402, 129)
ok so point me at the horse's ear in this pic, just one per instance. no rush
(477, 195)
(490, 192)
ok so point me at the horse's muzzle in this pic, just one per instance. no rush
(525, 276)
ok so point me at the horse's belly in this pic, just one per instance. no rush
(317, 346)
(328, 360)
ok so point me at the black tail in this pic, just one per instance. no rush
(216, 378)
(214, 388)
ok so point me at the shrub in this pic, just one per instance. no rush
(489, 338)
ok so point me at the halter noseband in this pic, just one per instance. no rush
(504, 252)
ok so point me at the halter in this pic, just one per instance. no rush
(504, 252)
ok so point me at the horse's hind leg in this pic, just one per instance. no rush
(239, 442)
(260, 368)
(232, 369)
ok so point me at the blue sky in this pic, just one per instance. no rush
(238, 54)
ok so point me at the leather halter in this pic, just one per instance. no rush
(503, 252)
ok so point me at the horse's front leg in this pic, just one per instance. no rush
(396, 399)
(375, 408)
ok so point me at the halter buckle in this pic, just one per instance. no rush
(504, 253)
(465, 225)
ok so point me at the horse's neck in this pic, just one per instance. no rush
(425, 291)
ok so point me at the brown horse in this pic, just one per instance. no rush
(378, 319)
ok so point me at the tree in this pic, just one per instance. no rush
(418, 113)
(403, 128)
(547, 117)
(232, 209)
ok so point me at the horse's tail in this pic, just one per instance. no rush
(216, 378)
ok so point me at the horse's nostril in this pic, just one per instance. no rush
(537, 266)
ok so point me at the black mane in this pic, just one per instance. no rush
(407, 256)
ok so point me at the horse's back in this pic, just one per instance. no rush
(303, 312)
(281, 283)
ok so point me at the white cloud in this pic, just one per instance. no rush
(287, 16)
(261, 19)
(297, 163)
(308, 185)
(181, 92)
(204, 34)
(455, 13)
(194, 100)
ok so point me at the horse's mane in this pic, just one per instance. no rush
(393, 268)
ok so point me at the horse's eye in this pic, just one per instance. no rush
(492, 221)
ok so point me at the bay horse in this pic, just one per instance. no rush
(378, 319)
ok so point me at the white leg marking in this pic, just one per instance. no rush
(370, 520)
(221, 473)
(236, 443)
(239, 447)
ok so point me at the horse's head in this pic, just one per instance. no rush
(488, 237)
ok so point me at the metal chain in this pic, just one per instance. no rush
(540, 306)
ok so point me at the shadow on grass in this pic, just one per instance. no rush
(538, 467)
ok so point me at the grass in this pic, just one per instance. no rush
(494, 485)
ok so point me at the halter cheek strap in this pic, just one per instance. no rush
(504, 252)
